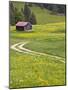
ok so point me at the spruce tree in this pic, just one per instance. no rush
(33, 19)
(26, 12)
(18, 15)
(12, 17)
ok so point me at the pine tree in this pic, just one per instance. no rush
(12, 17)
(26, 12)
(62, 9)
(18, 15)
(15, 15)
(55, 8)
(33, 19)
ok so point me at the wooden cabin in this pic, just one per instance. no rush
(23, 26)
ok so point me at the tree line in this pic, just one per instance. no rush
(56, 8)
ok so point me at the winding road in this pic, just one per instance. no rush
(19, 47)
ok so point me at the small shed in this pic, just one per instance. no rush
(23, 26)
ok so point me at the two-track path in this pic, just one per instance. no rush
(19, 47)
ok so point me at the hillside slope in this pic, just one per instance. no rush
(43, 16)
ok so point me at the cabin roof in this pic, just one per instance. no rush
(21, 23)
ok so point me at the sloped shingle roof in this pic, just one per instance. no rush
(21, 23)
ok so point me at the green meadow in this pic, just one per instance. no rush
(47, 36)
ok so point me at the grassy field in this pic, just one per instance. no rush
(31, 70)
(48, 37)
